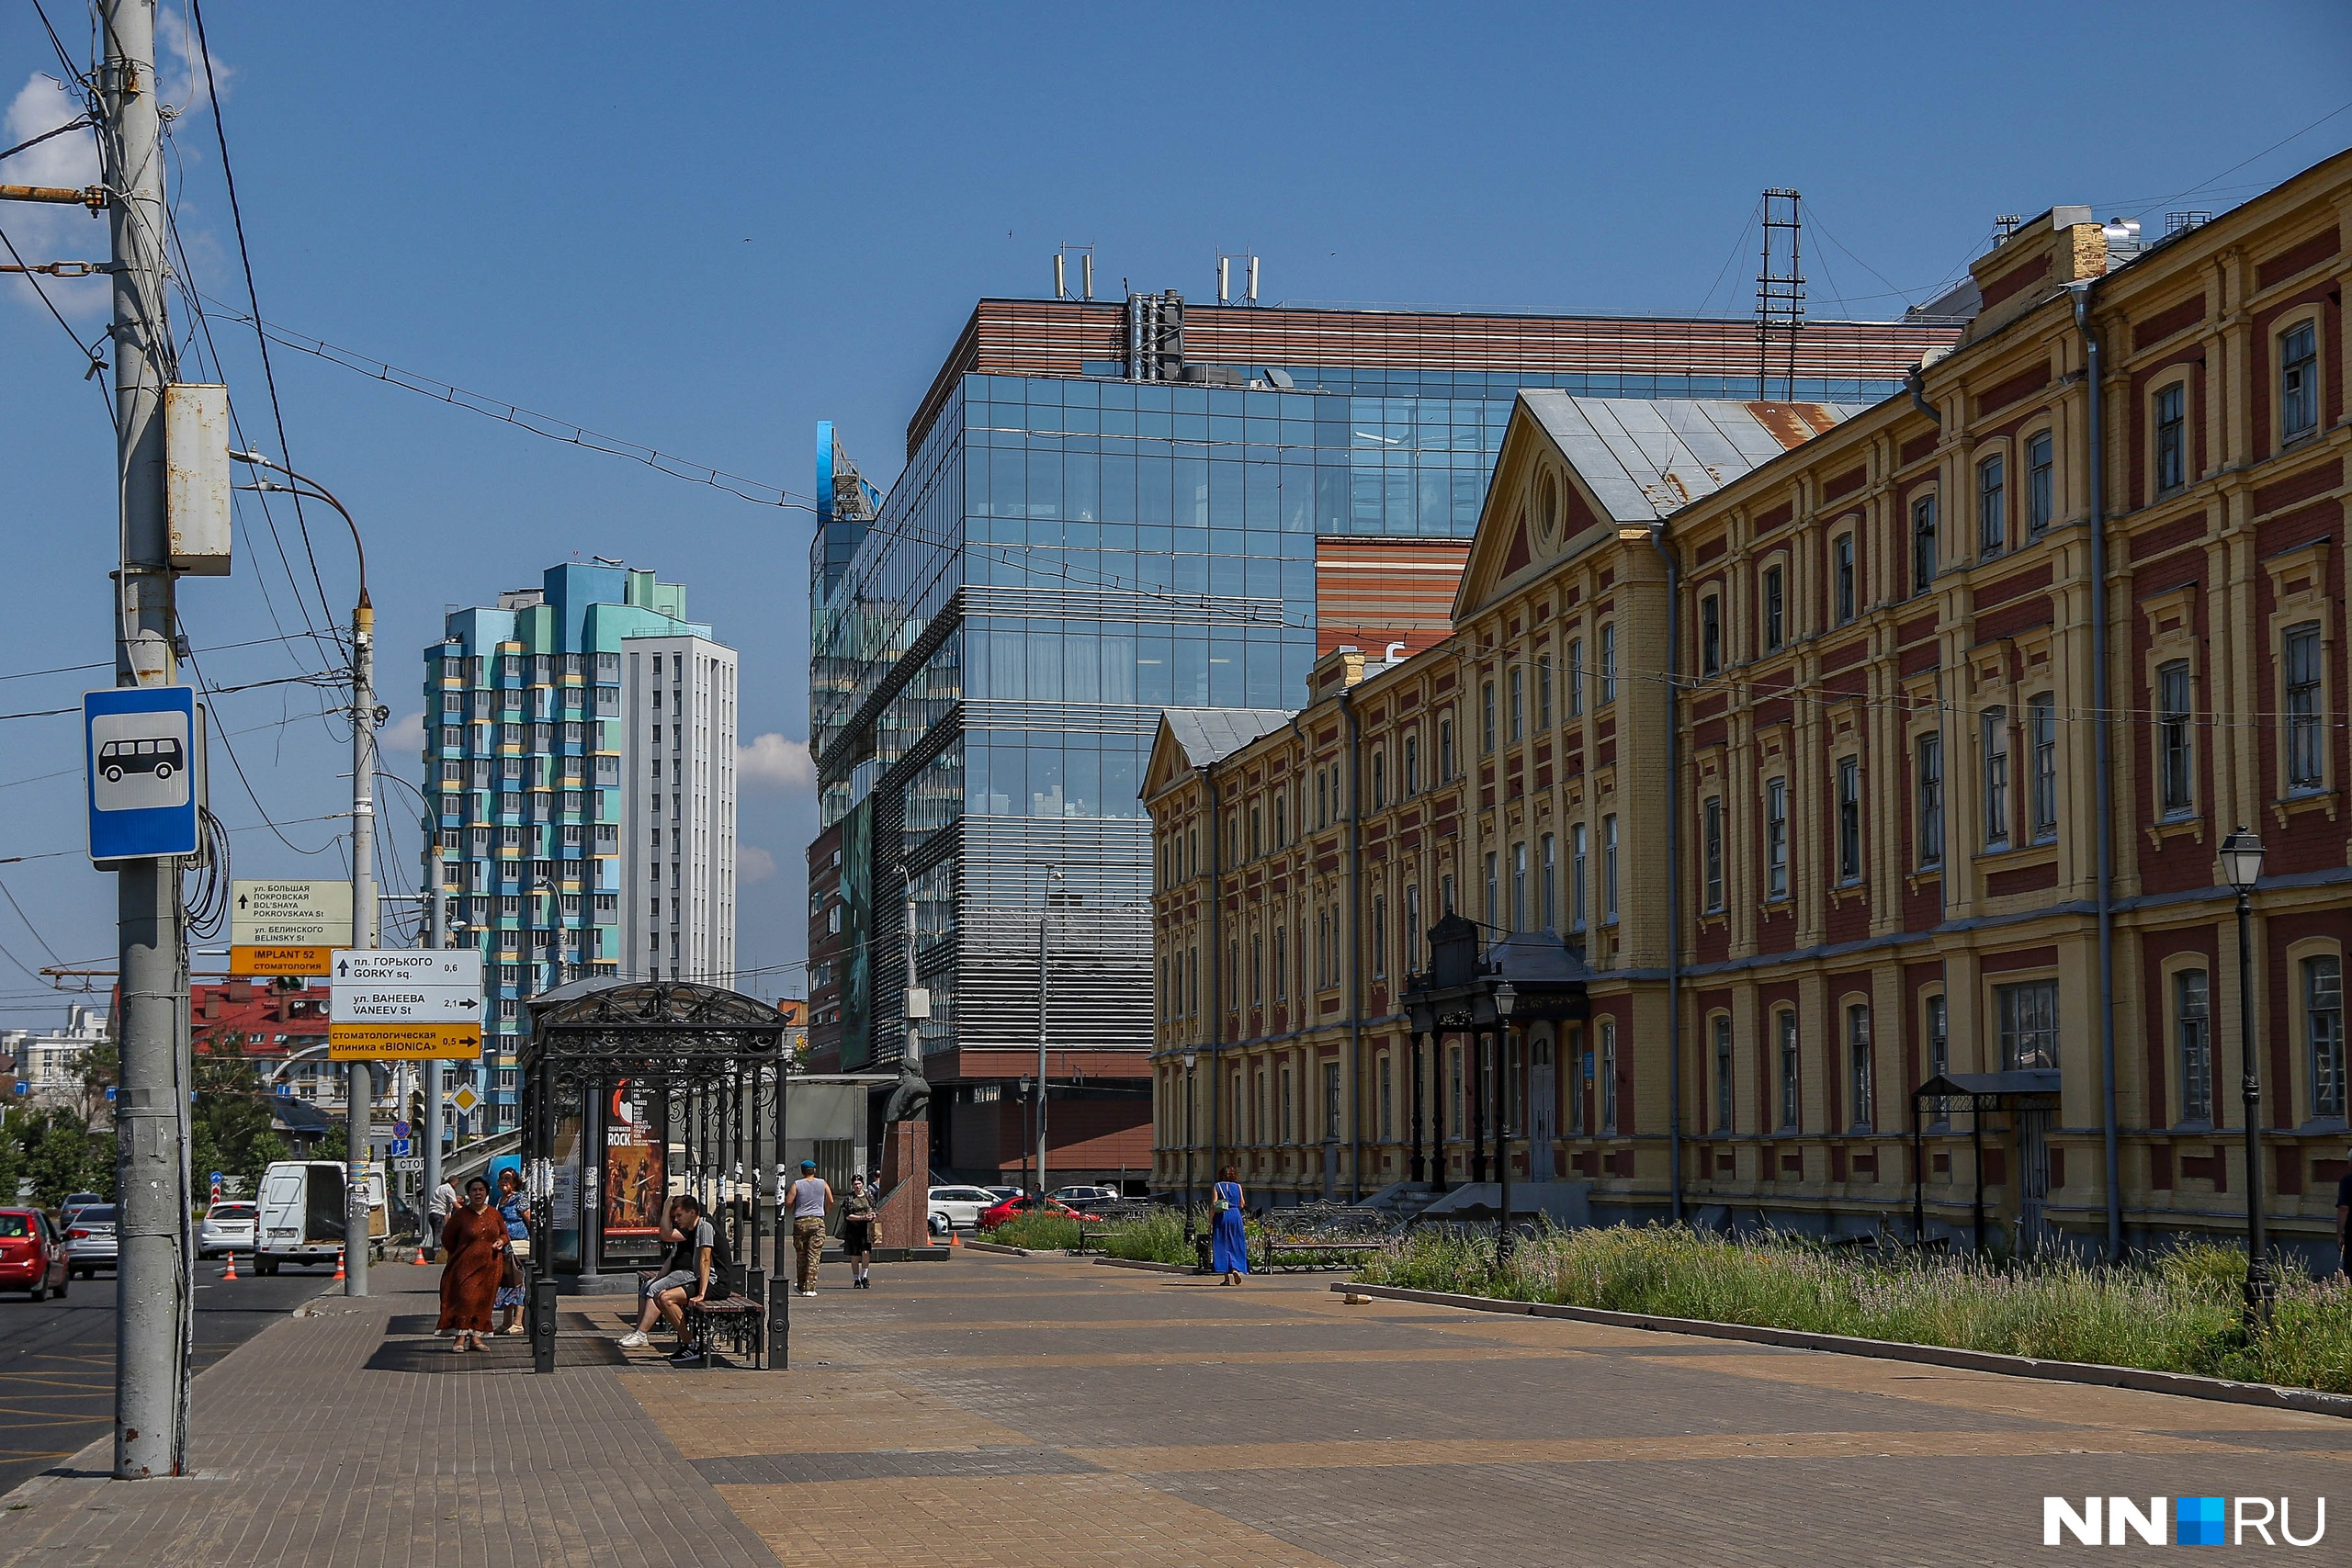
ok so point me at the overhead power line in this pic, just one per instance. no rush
(548, 426)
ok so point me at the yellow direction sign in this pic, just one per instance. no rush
(286, 928)
(403, 1041)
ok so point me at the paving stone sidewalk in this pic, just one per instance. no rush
(1042, 1412)
(353, 1440)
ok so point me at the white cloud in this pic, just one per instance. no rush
(772, 762)
(752, 865)
(403, 740)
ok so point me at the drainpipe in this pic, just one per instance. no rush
(1217, 966)
(1355, 946)
(2104, 792)
(1673, 868)
(1915, 381)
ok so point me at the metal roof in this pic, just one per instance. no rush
(2016, 1080)
(1644, 458)
(1211, 734)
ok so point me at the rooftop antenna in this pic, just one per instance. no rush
(1225, 260)
(2007, 223)
(1780, 292)
(1085, 254)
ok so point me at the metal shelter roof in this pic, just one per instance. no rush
(2016, 1081)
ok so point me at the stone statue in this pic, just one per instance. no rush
(911, 1101)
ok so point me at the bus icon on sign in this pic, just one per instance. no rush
(162, 758)
(138, 760)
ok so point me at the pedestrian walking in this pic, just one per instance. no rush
(858, 1219)
(809, 1199)
(515, 1211)
(437, 1209)
(1228, 1242)
(476, 1243)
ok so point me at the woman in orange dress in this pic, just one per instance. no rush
(474, 1243)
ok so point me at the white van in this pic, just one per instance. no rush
(301, 1218)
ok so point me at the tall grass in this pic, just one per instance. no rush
(2175, 1310)
(1157, 1238)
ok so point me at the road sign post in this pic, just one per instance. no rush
(286, 928)
(404, 1004)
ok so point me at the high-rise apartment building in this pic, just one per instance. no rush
(579, 767)
(1109, 510)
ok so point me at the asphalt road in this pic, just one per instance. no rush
(57, 1359)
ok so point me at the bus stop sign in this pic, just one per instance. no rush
(139, 747)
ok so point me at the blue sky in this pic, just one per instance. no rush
(704, 229)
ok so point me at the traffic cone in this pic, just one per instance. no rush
(338, 1264)
(417, 1258)
(232, 1268)
(954, 1236)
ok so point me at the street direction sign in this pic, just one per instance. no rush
(139, 747)
(404, 1004)
(465, 1100)
(286, 928)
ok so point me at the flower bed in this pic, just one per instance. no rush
(2177, 1310)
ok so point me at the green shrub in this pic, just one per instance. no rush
(1157, 1237)
(2174, 1311)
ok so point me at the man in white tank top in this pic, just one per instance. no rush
(807, 1198)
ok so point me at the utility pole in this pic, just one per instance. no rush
(359, 1086)
(435, 936)
(153, 1283)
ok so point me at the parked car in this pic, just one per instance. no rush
(1083, 1193)
(1013, 1208)
(1003, 1192)
(32, 1254)
(958, 1208)
(90, 1239)
(227, 1227)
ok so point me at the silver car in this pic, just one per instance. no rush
(958, 1208)
(90, 1241)
(227, 1227)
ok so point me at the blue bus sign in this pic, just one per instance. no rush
(140, 749)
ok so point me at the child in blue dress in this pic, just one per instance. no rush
(1229, 1243)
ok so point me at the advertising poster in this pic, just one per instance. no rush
(633, 1179)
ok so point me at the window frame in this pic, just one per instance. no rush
(1993, 747)
(1711, 840)
(1849, 821)
(2299, 380)
(1861, 1068)
(1776, 839)
(1923, 567)
(1791, 1070)
(2169, 439)
(2192, 1020)
(1576, 677)
(1992, 505)
(2042, 735)
(1608, 636)
(1928, 798)
(2302, 708)
(2027, 1016)
(2176, 739)
(1845, 594)
(2041, 483)
(1727, 1100)
(1711, 634)
(1773, 607)
(2323, 1034)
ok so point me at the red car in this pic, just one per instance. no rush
(32, 1254)
(1015, 1208)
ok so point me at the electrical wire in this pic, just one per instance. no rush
(237, 217)
(97, 365)
(548, 426)
(74, 124)
(28, 924)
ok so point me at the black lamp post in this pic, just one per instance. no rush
(2240, 857)
(1506, 999)
(1424, 1024)
(1031, 1191)
(1191, 1059)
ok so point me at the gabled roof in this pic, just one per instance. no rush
(1211, 734)
(1622, 462)
(1193, 738)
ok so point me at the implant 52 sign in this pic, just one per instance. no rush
(411, 1003)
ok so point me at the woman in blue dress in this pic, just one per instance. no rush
(1228, 1244)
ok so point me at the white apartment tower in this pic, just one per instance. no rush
(678, 809)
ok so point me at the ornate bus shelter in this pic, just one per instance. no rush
(708, 1068)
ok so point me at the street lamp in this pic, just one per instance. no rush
(1191, 1059)
(2240, 857)
(1424, 1022)
(1506, 999)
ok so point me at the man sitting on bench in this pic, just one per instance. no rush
(689, 1278)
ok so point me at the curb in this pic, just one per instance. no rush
(1145, 1263)
(2186, 1384)
(1000, 1249)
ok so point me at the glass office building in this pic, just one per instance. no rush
(1069, 550)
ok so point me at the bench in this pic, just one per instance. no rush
(736, 1320)
(1321, 1235)
(1093, 1234)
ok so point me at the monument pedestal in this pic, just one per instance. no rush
(906, 1185)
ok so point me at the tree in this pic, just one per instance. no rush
(61, 1157)
(99, 1069)
(230, 1120)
